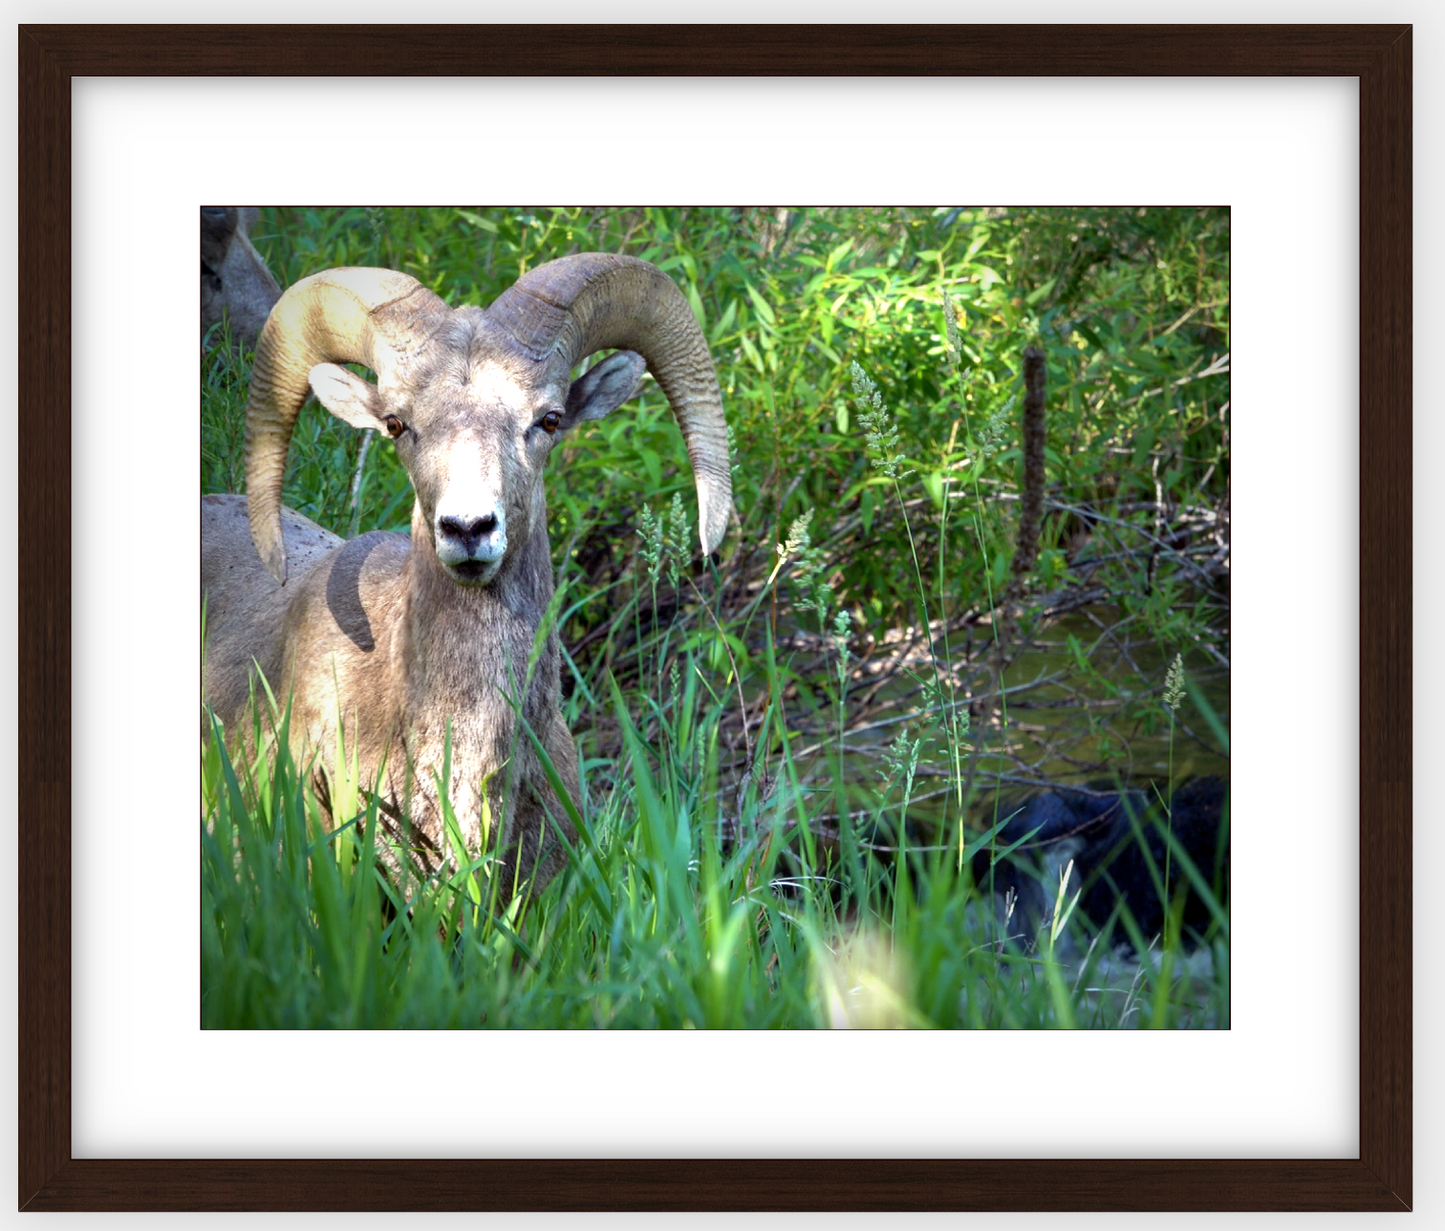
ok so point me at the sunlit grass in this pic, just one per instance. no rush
(672, 912)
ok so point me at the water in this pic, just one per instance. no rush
(1081, 706)
(1105, 718)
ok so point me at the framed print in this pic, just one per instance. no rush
(70, 1160)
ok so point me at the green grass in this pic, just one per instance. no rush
(674, 912)
(790, 755)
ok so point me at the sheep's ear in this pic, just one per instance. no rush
(218, 225)
(346, 395)
(604, 387)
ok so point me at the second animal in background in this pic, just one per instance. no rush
(236, 285)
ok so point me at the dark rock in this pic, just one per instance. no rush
(1117, 842)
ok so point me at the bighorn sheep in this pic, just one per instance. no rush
(235, 282)
(409, 638)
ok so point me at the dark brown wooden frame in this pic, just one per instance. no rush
(1380, 1179)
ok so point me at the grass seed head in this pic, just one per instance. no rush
(900, 760)
(880, 432)
(679, 538)
(1174, 683)
(950, 324)
(650, 528)
(842, 630)
(991, 433)
(809, 567)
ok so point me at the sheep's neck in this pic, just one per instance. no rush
(466, 649)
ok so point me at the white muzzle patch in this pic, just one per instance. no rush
(470, 529)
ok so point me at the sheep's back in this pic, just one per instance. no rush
(245, 610)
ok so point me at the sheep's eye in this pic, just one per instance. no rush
(551, 421)
(394, 426)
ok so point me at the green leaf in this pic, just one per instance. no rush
(825, 323)
(485, 224)
(695, 300)
(765, 310)
(1035, 296)
(724, 323)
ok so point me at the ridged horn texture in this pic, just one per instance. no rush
(373, 316)
(569, 308)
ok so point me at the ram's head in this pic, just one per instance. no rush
(475, 399)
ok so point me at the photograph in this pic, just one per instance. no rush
(861, 659)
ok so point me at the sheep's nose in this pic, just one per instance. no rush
(467, 530)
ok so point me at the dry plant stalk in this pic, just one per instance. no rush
(1034, 437)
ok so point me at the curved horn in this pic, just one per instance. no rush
(574, 306)
(371, 316)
